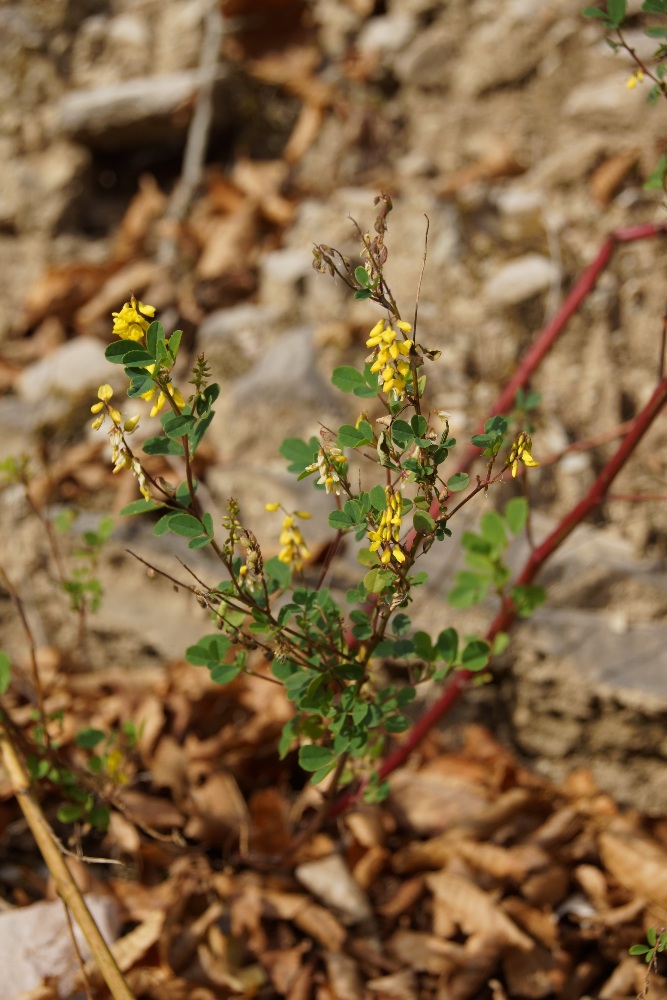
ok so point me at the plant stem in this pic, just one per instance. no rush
(65, 884)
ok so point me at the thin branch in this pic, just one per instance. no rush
(198, 133)
(62, 876)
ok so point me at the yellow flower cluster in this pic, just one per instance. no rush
(637, 77)
(388, 357)
(293, 549)
(387, 534)
(520, 452)
(327, 460)
(133, 320)
(121, 456)
(162, 398)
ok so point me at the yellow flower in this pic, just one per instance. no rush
(328, 458)
(271, 506)
(637, 77)
(388, 532)
(388, 352)
(105, 392)
(133, 320)
(162, 398)
(293, 548)
(520, 452)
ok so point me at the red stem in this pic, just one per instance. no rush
(551, 332)
(593, 498)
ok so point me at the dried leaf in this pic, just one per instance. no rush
(638, 864)
(475, 912)
(329, 880)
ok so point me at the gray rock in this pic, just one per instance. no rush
(428, 60)
(280, 274)
(70, 371)
(521, 279)
(388, 34)
(133, 112)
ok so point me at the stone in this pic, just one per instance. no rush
(135, 113)
(388, 34)
(70, 371)
(521, 279)
(279, 275)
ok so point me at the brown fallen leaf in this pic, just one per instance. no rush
(424, 952)
(330, 880)
(535, 974)
(541, 924)
(514, 863)
(370, 865)
(403, 899)
(270, 829)
(396, 986)
(481, 958)
(638, 864)
(607, 179)
(498, 162)
(475, 911)
(343, 973)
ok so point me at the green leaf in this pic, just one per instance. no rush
(69, 813)
(347, 379)
(223, 673)
(500, 643)
(638, 949)
(161, 527)
(493, 529)
(162, 446)
(396, 724)
(140, 507)
(137, 357)
(378, 498)
(209, 649)
(470, 589)
(139, 385)
(527, 597)
(377, 579)
(89, 738)
(278, 572)
(594, 12)
(364, 293)
(350, 437)
(178, 426)
(198, 431)
(516, 514)
(447, 645)
(174, 343)
(5, 672)
(339, 520)
(200, 542)
(321, 774)
(299, 453)
(459, 481)
(154, 336)
(656, 32)
(616, 11)
(423, 522)
(362, 276)
(400, 624)
(115, 353)
(185, 525)
(475, 655)
(423, 646)
(402, 434)
(651, 936)
(312, 758)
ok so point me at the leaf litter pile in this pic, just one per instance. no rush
(475, 879)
